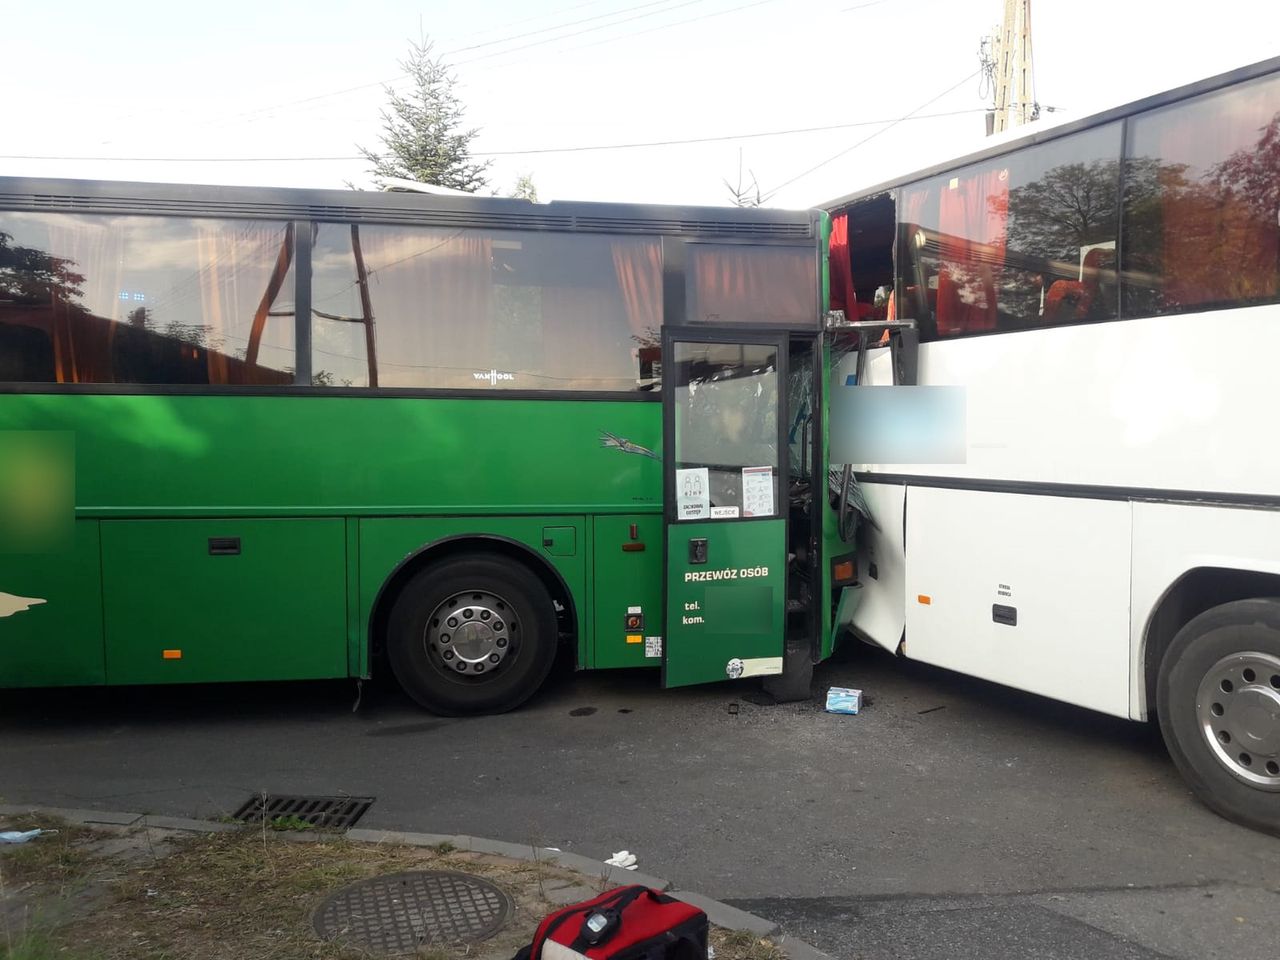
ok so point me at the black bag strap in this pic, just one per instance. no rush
(615, 901)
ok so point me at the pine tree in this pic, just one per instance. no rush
(422, 132)
(525, 189)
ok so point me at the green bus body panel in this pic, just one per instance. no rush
(275, 611)
(626, 579)
(59, 640)
(735, 607)
(475, 462)
(385, 542)
(208, 455)
(832, 545)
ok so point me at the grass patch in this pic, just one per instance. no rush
(743, 945)
(55, 859)
(248, 893)
(290, 822)
(36, 946)
(149, 894)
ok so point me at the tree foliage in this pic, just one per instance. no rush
(525, 188)
(423, 135)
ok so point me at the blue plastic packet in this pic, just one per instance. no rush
(18, 836)
(844, 700)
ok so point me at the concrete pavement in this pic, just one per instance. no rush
(950, 813)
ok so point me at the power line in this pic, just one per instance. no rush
(576, 33)
(666, 26)
(258, 111)
(584, 148)
(907, 116)
(560, 26)
(720, 139)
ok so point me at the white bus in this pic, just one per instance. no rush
(1107, 294)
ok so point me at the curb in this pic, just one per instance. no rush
(720, 914)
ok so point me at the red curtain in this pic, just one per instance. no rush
(841, 267)
(638, 266)
(972, 213)
(746, 284)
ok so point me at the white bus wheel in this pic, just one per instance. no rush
(1218, 699)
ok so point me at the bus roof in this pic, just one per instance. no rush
(1043, 130)
(401, 207)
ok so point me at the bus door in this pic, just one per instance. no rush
(725, 489)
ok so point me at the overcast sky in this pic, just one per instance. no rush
(267, 79)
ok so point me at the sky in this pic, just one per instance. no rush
(138, 90)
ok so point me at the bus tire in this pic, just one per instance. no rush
(1218, 700)
(472, 634)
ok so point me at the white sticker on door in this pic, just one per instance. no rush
(724, 513)
(757, 491)
(652, 647)
(693, 494)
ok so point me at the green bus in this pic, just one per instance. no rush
(266, 434)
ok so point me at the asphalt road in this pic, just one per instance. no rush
(952, 819)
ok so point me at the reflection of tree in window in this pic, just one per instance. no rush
(1201, 193)
(1052, 222)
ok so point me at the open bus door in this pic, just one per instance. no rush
(725, 494)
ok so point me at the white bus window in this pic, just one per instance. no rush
(1202, 192)
(1021, 241)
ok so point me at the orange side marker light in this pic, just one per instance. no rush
(172, 654)
(925, 599)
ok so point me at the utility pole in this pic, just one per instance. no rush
(1007, 66)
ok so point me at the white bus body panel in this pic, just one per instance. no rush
(1172, 539)
(1184, 403)
(1061, 563)
(881, 613)
(1175, 408)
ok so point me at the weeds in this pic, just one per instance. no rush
(290, 822)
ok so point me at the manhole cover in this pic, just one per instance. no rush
(400, 912)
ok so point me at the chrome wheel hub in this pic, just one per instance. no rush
(472, 633)
(1238, 707)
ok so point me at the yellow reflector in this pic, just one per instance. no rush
(172, 654)
(634, 638)
(926, 600)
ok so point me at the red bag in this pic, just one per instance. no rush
(629, 923)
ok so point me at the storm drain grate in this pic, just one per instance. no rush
(317, 811)
(402, 912)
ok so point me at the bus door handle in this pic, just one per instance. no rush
(224, 546)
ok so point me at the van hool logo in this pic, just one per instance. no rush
(493, 376)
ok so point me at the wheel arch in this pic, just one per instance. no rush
(1196, 590)
(470, 543)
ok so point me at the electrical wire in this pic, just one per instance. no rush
(666, 26)
(577, 33)
(583, 148)
(893, 123)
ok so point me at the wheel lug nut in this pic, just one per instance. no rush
(502, 642)
(453, 621)
(493, 658)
